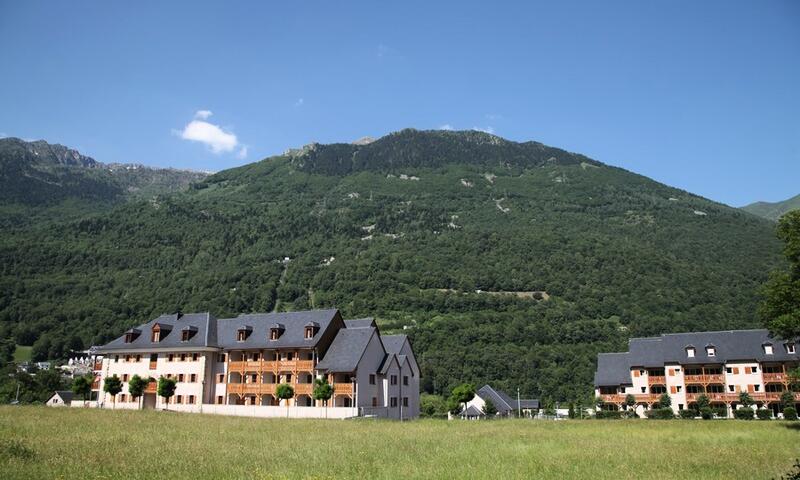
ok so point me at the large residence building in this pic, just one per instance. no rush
(687, 365)
(221, 363)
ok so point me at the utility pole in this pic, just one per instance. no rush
(519, 408)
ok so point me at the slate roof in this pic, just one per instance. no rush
(361, 323)
(204, 322)
(502, 402)
(387, 362)
(65, 395)
(393, 343)
(293, 324)
(471, 411)
(346, 350)
(729, 345)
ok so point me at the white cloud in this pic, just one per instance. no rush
(213, 136)
(203, 114)
(242, 153)
(299, 102)
(488, 129)
(446, 126)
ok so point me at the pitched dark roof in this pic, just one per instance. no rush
(204, 322)
(393, 343)
(502, 401)
(729, 346)
(387, 362)
(360, 323)
(471, 411)
(292, 323)
(346, 350)
(65, 395)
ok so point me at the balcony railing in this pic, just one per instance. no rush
(778, 377)
(96, 385)
(303, 388)
(343, 388)
(272, 366)
(647, 397)
(707, 378)
(98, 366)
(656, 380)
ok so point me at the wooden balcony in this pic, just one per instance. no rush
(343, 388)
(656, 380)
(98, 366)
(96, 385)
(646, 397)
(705, 379)
(272, 366)
(303, 388)
(779, 377)
(776, 396)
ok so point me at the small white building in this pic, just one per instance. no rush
(60, 398)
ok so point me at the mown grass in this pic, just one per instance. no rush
(40, 442)
(22, 354)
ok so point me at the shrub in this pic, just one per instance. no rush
(707, 413)
(790, 413)
(720, 412)
(609, 414)
(660, 414)
(764, 414)
(687, 414)
(745, 413)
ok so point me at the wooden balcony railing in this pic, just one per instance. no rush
(98, 366)
(776, 396)
(707, 378)
(343, 388)
(647, 397)
(775, 377)
(96, 385)
(656, 380)
(272, 366)
(303, 388)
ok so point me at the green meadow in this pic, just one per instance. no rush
(40, 442)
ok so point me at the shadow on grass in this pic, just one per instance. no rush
(792, 425)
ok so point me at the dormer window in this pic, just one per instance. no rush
(690, 352)
(159, 331)
(132, 335)
(243, 333)
(276, 331)
(310, 330)
(187, 333)
(767, 348)
(790, 348)
(711, 351)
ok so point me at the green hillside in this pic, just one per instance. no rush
(422, 230)
(39, 181)
(773, 210)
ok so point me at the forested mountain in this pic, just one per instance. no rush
(39, 180)
(773, 210)
(424, 230)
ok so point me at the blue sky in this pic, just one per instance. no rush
(699, 95)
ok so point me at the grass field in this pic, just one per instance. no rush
(22, 354)
(40, 442)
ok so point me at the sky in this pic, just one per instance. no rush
(703, 96)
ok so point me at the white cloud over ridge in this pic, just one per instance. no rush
(211, 135)
(446, 126)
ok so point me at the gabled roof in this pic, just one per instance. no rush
(471, 411)
(502, 402)
(292, 323)
(65, 395)
(346, 350)
(393, 343)
(361, 323)
(387, 363)
(204, 322)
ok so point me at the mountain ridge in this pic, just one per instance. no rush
(773, 210)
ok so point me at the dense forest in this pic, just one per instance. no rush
(423, 230)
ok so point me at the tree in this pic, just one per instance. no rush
(137, 386)
(787, 399)
(432, 406)
(285, 392)
(630, 401)
(665, 401)
(780, 310)
(745, 399)
(323, 391)
(571, 411)
(489, 409)
(166, 389)
(82, 386)
(703, 402)
(112, 386)
(463, 394)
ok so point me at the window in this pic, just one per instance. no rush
(757, 388)
(193, 378)
(678, 388)
(728, 370)
(183, 357)
(711, 351)
(754, 369)
(124, 377)
(127, 358)
(374, 401)
(372, 379)
(180, 377)
(405, 380)
(394, 380)
(273, 334)
(221, 357)
(179, 399)
(767, 349)
(405, 401)
(680, 406)
(644, 389)
(393, 402)
(243, 333)
(790, 348)
(155, 337)
(219, 400)
(170, 357)
(169, 375)
(122, 398)
(116, 358)
(690, 352)
(186, 335)
(731, 388)
(194, 357)
(191, 399)
(138, 358)
(221, 378)
(309, 333)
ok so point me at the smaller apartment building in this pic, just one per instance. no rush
(719, 365)
(242, 360)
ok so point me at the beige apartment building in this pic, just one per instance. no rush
(719, 365)
(229, 365)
